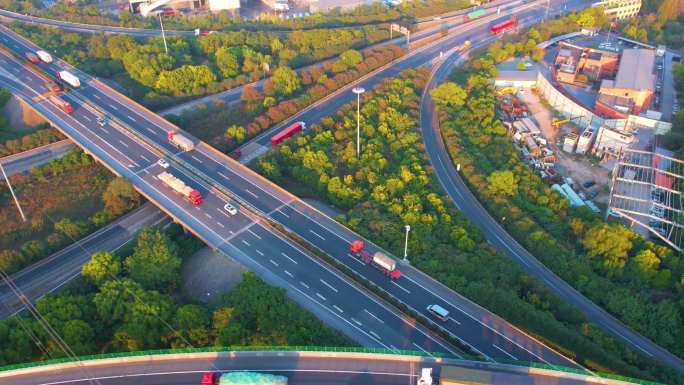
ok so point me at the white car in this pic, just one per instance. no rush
(163, 163)
(230, 209)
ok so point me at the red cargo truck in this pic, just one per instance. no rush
(62, 104)
(380, 260)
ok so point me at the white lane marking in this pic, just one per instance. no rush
(289, 274)
(504, 352)
(195, 158)
(374, 316)
(251, 193)
(374, 334)
(131, 118)
(87, 118)
(96, 96)
(107, 131)
(274, 262)
(221, 224)
(259, 252)
(328, 285)
(356, 321)
(253, 233)
(451, 319)
(149, 129)
(288, 257)
(245, 242)
(316, 234)
(303, 284)
(394, 348)
(223, 175)
(357, 260)
(418, 346)
(401, 287)
(123, 144)
(282, 213)
(338, 308)
(207, 214)
(144, 157)
(320, 296)
(113, 107)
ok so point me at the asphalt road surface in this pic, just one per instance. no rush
(135, 138)
(463, 198)
(24, 161)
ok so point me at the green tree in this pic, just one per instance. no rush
(102, 267)
(120, 196)
(285, 81)
(502, 183)
(71, 229)
(154, 262)
(80, 336)
(115, 299)
(449, 95)
(612, 241)
(227, 62)
(191, 323)
(348, 59)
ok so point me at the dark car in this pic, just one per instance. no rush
(588, 184)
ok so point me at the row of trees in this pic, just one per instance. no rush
(195, 65)
(660, 22)
(132, 303)
(63, 201)
(13, 140)
(391, 185)
(86, 11)
(638, 281)
(283, 95)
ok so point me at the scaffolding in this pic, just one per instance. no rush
(646, 190)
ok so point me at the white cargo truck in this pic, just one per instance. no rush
(69, 78)
(44, 56)
(180, 141)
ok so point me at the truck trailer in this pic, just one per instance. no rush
(30, 56)
(62, 104)
(194, 196)
(242, 378)
(182, 142)
(44, 56)
(380, 260)
(69, 78)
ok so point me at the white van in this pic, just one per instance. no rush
(441, 313)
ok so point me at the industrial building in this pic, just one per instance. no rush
(171, 7)
(327, 5)
(633, 87)
(620, 9)
(573, 59)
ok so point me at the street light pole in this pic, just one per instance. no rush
(358, 91)
(408, 228)
(163, 35)
(16, 201)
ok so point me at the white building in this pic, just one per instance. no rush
(620, 9)
(585, 141)
(611, 142)
(223, 5)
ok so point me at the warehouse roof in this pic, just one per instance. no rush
(636, 69)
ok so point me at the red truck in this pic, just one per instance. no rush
(503, 26)
(194, 196)
(290, 131)
(54, 87)
(62, 104)
(380, 260)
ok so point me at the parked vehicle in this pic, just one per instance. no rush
(62, 104)
(44, 56)
(194, 196)
(69, 78)
(290, 131)
(30, 56)
(382, 262)
(180, 141)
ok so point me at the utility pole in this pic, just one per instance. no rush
(358, 91)
(16, 201)
(408, 228)
(163, 35)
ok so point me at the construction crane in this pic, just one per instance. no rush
(558, 122)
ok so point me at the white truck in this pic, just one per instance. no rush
(180, 141)
(194, 196)
(69, 78)
(44, 56)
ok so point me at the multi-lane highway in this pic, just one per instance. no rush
(131, 144)
(24, 161)
(301, 368)
(244, 236)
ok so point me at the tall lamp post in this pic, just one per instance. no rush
(358, 91)
(408, 228)
(166, 48)
(16, 201)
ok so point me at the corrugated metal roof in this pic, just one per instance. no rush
(636, 69)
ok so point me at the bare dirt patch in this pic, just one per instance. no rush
(20, 115)
(207, 275)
